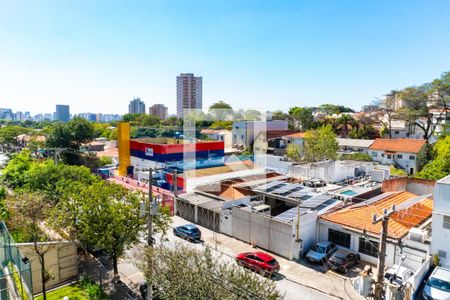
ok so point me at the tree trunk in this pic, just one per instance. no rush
(114, 258)
(43, 279)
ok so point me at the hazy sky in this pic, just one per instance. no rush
(97, 55)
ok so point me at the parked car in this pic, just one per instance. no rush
(438, 285)
(258, 261)
(321, 251)
(342, 260)
(398, 274)
(188, 232)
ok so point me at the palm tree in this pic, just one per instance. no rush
(344, 123)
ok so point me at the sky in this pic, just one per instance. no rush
(97, 55)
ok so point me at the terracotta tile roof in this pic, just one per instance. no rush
(398, 145)
(272, 134)
(360, 217)
(297, 135)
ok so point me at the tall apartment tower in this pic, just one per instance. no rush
(62, 113)
(159, 110)
(136, 106)
(189, 92)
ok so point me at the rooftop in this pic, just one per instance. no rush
(398, 145)
(412, 211)
(298, 135)
(354, 142)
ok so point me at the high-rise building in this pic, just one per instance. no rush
(19, 116)
(62, 113)
(136, 106)
(189, 92)
(159, 110)
(6, 114)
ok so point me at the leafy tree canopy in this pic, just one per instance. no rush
(439, 166)
(320, 144)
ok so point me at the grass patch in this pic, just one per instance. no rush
(74, 292)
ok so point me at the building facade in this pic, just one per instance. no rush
(62, 113)
(189, 93)
(440, 242)
(402, 153)
(245, 132)
(136, 106)
(159, 110)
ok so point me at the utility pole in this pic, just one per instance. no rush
(150, 212)
(175, 192)
(297, 228)
(384, 219)
(150, 229)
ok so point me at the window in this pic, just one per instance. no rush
(382, 154)
(396, 132)
(412, 157)
(374, 154)
(368, 247)
(399, 156)
(242, 136)
(338, 237)
(446, 222)
(389, 156)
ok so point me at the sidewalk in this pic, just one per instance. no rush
(301, 273)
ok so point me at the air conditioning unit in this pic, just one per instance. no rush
(418, 235)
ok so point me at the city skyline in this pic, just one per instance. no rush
(268, 56)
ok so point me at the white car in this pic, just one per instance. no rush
(438, 285)
(398, 274)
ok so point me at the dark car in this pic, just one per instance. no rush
(342, 260)
(188, 232)
(260, 262)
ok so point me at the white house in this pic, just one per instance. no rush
(352, 227)
(245, 132)
(404, 153)
(440, 242)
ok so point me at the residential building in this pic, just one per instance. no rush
(189, 93)
(136, 106)
(352, 228)
(403, 153)
(370, 108)
(159, 110)
(354, 145)
(62, 113)
(221, 135)
(245, 132)
(440, 243)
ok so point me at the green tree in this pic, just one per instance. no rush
(148, 120)
(293, 152)
(320, 144)
(344, 123)
(110, 219)
(439, 166)
(60, 136)
(14, 172)
(30, 210)
(301, 118)
(187, 273)
(81, 130)
(220, 110)
(332, 109)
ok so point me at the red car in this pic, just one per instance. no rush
(258, 261)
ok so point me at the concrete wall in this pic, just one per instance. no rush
(308, 230)
(266, 233)
(61, 259)
(413, 185)
(440, 242)
(273, 162)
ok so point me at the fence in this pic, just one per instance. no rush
(17, 268)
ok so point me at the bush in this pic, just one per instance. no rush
(93, 290)
(357, 156)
